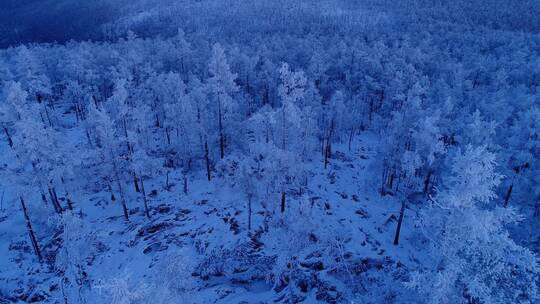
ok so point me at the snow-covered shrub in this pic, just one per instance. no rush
(243, 261)
(173, 278)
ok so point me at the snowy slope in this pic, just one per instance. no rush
(349, 228)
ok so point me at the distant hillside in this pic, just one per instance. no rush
(28, 21)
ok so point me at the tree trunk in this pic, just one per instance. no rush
(207, 158)
(282, 202)
(88, 137)
(398, 183)
(168, 135)
(56, 198)
(146, 210)
(47, 114)
(120, 189)
(351, 134)
(185, 185)
(537, 207)
(69, 202)
(507, 197)
(135, 182)
(54, 201)
(283, 130)
(10, 141)
(400, 220)
(111, 191)
(122, 199)
(330, 150)
(383, 181)
(77, 112)
(327, 152)
(2, 201)
(81, 112)
(126, 135)
(249, 214)
(391, 181)
(31, 231)
(370, 109)
(42, 119)
(426, 183)
(221, 140)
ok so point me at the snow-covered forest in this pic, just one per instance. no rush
(227, 151)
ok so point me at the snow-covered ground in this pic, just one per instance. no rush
(350, 230)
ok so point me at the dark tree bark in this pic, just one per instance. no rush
(327, 155)
(249, 214)
(168, 135)
(383, 181)
(221, 139)
(135, 182)
(146, 210)
(128, 145)
(120, 189)
(207, 158)
(122, 199)
(77, 111)
(537, 207)
(109, 186)
(507, 197)
(282, 202)
(167, 185)
(351, 134)
(69, 202)
(400, 220)
(391, 181)
(426, 183)
(10, 141)
(43, 198)
(185, 185)
(47, 115)
(54, 200)
(88, 137)
(33, 239)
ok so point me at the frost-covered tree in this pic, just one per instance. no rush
(222, 86)
(39, 155)
(31, 72)
(198, 98)
(107, 152)
(14, 102)
(287, 118)
(145, 167)
(332, 116)
(71, 259)
(475, 259)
